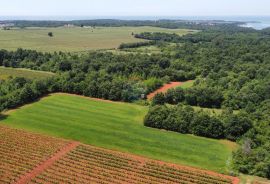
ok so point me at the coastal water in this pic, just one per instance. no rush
(256, 22)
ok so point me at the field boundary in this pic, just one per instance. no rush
(47, 163)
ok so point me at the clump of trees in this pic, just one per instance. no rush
(50, 34)
(135, 45)
(253, 156)
(195, 96)
(184, 119)
(157, 36)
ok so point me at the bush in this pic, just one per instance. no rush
(50, 34)
(159, 99)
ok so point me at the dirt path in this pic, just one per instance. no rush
(40, 168)
(164, 88)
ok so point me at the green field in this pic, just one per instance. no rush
(117, 126)
(187, 84)
(17, 72)
(74, 39)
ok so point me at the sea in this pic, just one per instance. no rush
(256, 22)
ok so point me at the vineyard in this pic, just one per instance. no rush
(37, 159)
(87, 164)
(20, 152)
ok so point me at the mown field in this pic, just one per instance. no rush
(17, 72)
(116, 126)
(74, 39)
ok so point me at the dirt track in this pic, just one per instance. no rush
(40, 168)
(164, 88)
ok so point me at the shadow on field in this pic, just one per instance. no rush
(3, 117)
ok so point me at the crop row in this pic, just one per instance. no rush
(20, 152)
(87, 163)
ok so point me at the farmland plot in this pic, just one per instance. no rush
(87, 164)
(20, 152)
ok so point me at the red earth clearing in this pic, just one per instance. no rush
(165, 88)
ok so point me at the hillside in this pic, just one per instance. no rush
(116, 126)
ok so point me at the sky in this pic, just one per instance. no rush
(134, 7)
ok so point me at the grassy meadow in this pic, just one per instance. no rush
(74, 39)
(17, 72)
(187, 84)
(117, 126)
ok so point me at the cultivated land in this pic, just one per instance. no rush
(17, 72)
(87, 164)
(117, 126)
(34, 158)
(21, 151)
(74, 39)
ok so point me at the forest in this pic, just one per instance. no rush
(230, 66)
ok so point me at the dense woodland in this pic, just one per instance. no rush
(230, 64)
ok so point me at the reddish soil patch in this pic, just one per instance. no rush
(46, 164)
(164, 89)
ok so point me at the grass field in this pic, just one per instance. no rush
(187, 84)
(17, 72)
(74, 39)
(116, 126)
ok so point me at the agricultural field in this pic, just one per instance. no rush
(17, 72)
(75, 39)
(33, 158)
(20, 152)
(117, 126)
(86, 164)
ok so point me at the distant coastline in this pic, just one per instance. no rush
(256, 22)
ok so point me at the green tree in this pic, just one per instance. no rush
(50, 34)
(159, 99)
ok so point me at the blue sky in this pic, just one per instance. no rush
(134, 7)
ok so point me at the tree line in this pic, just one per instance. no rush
(184, 119)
